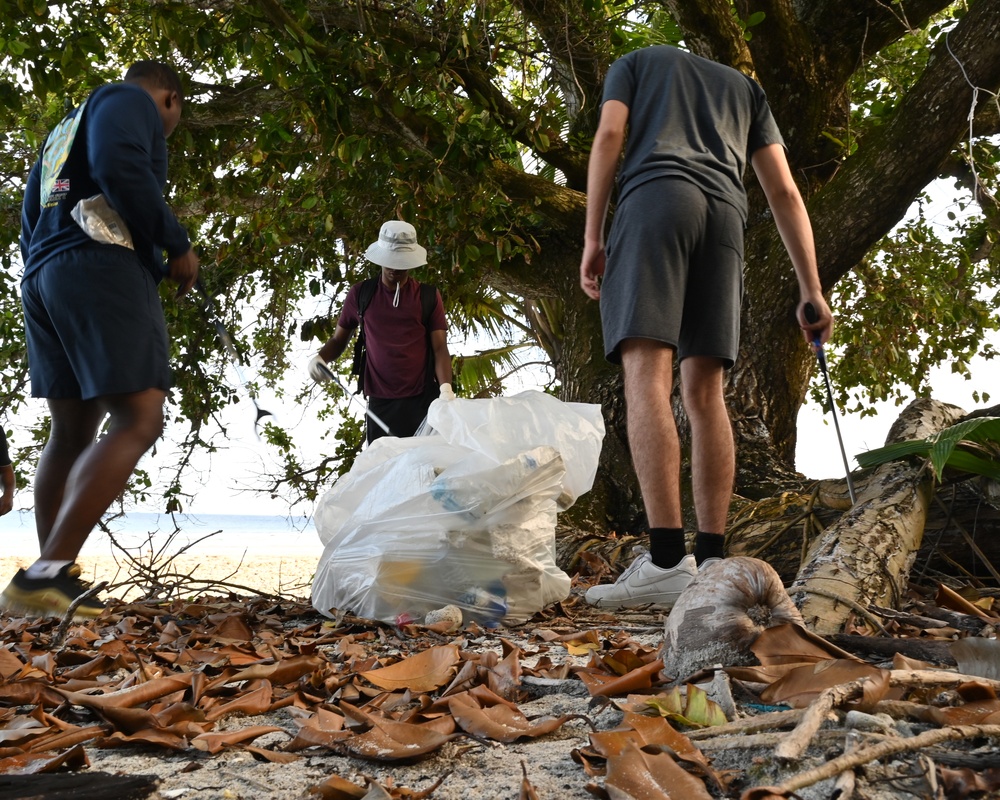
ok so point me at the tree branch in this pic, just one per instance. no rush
(875, 187)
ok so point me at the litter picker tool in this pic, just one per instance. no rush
(374, 417)
(208, 306)
(812, 316)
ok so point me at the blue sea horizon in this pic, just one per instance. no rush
(204, 534)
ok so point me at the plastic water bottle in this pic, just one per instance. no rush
(486, 606)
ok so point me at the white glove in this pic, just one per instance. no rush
(317, 369)
(446, 392)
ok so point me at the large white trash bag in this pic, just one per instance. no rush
(464, 516)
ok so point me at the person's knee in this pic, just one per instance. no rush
(150, 426)
(139, 416)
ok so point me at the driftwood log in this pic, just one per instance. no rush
(866, 556)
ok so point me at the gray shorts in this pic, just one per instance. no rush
(674, 272)
(94, 325)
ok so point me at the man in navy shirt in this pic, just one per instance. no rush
(670, 283)
(94, 228)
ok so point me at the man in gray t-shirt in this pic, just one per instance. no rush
(670, 282)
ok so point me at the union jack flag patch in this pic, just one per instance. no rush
(60, 185)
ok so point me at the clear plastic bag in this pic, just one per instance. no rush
(101, 222)
(463, 516)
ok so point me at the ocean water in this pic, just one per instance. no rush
(234, 535)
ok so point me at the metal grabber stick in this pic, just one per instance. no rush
(374, 417)
(208, 307)
(812, 316)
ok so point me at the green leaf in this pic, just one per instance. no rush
(943, 449)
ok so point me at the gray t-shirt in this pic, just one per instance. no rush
(690, 118)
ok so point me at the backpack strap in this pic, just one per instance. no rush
(365, 295)
(428, 302)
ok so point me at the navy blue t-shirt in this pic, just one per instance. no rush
(690, 118)
(112, 144)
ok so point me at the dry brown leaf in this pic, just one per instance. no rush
(286, 671)
(793, 644)
(527, 790)
(129, 698)
(900, 661)
(215, 742)
(337, 788)
(501, 723)
(29, 693)
(394, 741)
(642, 678)
(233, 627)
(606, 744)
(505, 677)
(949, 598)
(765, 793)
(66, 738)
(10, 664)
(983, 712)
(250, 703)
(423, 672)
(656, 730)
(803, 684)
(272, 756)
(633, 774)
(31, 764)
(159, 737)
(962, 783)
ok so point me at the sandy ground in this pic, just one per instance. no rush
(284, 575)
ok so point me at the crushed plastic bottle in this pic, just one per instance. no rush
(487, 606)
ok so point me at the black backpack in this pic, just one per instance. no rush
(428, 300)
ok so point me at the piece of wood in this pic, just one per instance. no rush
(887, 748)
(867, 555)
(935, 651)
(76, 785)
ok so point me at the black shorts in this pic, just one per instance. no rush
(403, 415)
(94, 326)
(674, 272)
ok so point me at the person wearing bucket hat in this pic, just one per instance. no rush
(401, 355)
(670, 283)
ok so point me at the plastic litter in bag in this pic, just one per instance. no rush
(101, 222)
(462, 517)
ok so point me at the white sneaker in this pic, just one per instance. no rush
(644, 583)
(707, 563)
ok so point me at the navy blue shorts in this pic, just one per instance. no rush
(95, 327)
(674, 272)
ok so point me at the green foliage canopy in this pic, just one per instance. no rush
(308, 122)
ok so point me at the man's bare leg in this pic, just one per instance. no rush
(660, 576)
(103, 468)
(74, 426)
(652, 431)
(713, 454)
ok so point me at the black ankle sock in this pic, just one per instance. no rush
(666, 546)
(709, 545)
